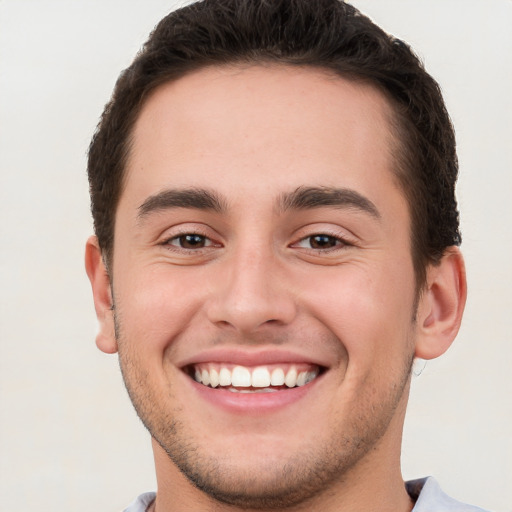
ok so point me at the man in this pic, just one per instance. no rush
(272, 188)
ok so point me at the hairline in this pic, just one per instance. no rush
(397, 140)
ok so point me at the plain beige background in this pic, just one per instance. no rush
(69, 439)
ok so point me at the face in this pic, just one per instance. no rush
(263, 281)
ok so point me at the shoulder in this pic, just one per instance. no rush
(429, 496)
(141, 503)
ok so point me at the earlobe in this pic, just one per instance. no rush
(441, 305)
(101, 290)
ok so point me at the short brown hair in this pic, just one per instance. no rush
(326, 34)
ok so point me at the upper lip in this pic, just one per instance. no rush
(246, 357)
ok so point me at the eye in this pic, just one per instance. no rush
(190, 241)
(321, 241)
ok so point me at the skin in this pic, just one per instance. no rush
(257, 282)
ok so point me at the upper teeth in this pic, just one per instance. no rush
(258, 377)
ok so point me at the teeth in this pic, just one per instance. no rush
(214, 378)
(205, 377)
(310, 376)
(224, 377)
(260, 377)
(277, 378)
(291, 378)
(259, 390)
(301, 378)
(240, 377)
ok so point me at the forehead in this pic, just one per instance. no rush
(272, 124)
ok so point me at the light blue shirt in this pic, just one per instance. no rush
(429, 497)
(426, 492)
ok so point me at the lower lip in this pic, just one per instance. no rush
(253, 403)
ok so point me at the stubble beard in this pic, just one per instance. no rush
(282, 485)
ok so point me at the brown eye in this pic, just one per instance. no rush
(323, 241)
(190, 241)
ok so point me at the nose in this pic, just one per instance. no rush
(251, 292)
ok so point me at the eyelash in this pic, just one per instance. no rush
(340, 242)
(181, 238)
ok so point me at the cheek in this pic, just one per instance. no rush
(368, 308)
(153, 306)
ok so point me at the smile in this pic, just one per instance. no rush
(259, 379)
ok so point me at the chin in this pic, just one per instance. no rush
(267, 479)
(260, 482)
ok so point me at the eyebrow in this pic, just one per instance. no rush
(197, 198)
(304, 198)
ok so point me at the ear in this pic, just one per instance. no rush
(441, 305)
(102, 294)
